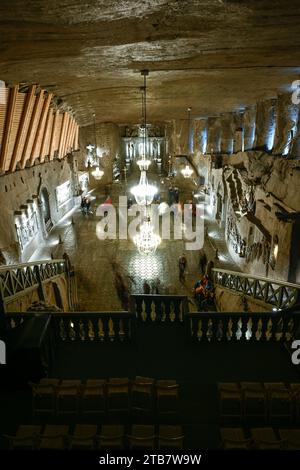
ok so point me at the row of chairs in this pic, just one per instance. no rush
(91, 436)
(100, 396)
(260, 438)
(260, 400)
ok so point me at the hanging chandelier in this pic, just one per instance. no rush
(97, 173)
(187, 171)
(146, 240)
(144, 192)
(144, 163)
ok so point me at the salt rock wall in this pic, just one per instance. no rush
(108, 144)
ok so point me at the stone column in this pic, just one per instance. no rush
(214, 135)
(249, 127)
(238, 143)
(265, 124)
(200, 136)
(295, 149)
(287, 115)
(227, 133)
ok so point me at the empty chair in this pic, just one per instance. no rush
(279, 400)
(170, 437)
(234, 438)
(84, 436)
(142, 394)
(265, 438)
(44, 396)
(118, 395)
(55, 436)
(167, 396)
(27, 437)
(254, 400)
(142, 437)
(68, 395)
(111, 437)
(93, 397)
(230, 400)
(290, 438)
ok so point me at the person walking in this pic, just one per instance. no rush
(202, 261)
(182, 264)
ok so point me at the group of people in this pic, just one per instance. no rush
(204, 292)
(85, 205)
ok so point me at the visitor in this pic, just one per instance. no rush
(182, 264)
(202, 261)
(87, 205)
(83, 204)
(146, 288)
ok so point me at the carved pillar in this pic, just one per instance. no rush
(214, 135)
(238, 143)
(227, 133)
(265, 124)
(249, 127)
(200, 136)
(295, 149)
(287, 115)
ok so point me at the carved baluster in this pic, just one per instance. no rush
(229, 330)
(258, 333)
(62, 330)
(289, 334)
(81, 330)
(181, 311)
(199, 330)
(172, 314)
(269, 333)
(111, 331)
(101, 332)
(249, 329)
(72, 332)
(209, 333)
(219, 332)
(167, 309)
(239, 333)
(279, 329)
(163, 311)
(153, 311)
(91, 330)
(177, 310)
(121, 330)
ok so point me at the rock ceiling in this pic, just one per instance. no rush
(216, 56)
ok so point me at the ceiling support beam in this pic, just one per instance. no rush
(8, 125)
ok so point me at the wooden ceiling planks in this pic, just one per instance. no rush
(35, 152)
(23, 127)
(31, 129)
(8, 125)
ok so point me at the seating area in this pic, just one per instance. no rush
(93, 436)
(265, 402)
(105, 397)
(264, 438)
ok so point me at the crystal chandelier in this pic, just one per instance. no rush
(97, 173)
(144, 163)
(144, 192)
(187, 171)
(146, 240)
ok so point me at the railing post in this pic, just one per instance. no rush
(40, 288)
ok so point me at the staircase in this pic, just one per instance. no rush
(39, 281)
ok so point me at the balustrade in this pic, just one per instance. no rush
(159, 308)
(279, 294)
